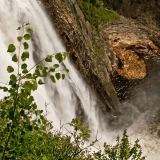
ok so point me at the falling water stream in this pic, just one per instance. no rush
(64, 97)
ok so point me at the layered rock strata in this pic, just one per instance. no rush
(81, 41)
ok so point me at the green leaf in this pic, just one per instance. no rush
(66, 70)
(10, 69)
(19, 38)
(40, 82)
(29, 30)
(59, 57)
(37, 73)
(25, 55)
(27, 37)
(24, 66)
(13, 78)
(51, 69)
(45, 158)
(25, 71)
(56, 65)
(63, 76)
(45, 72)
(65, 54)
(35, 85)
(48, 58)
(5, 89)
(11, 48)
(39, 67)
(58, 76)
(29, 76)
(14, 58)
(26, 45)
(53, 79)
(18, 28)
(28, 85)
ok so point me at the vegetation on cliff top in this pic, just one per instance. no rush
(95, 13)
(25, 132)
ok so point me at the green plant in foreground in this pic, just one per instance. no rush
(19, 129)
(25, 132)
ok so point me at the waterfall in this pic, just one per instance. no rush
(64, 97)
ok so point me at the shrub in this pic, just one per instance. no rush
(95, 13)
(25, 132)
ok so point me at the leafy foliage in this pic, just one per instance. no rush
(95, 13)
(21, 135)
(25, 132)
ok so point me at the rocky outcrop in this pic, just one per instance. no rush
(145, 11)
(85, 48)
(131, 42)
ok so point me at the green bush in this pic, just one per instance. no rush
(95, 13)
(25, 132)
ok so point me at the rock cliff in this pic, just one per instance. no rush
(118, 54)
(145, 11)
(82, 41)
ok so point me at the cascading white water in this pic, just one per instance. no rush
(62, 96)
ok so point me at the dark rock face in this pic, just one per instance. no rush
(146, 11)
(80, 40)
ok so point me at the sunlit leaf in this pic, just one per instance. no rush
(56, 65)
(10, 69)
(66, 70)
(52, 69)
(48, 58)
(59, 57)
(53, 79)
(58, 76)
(14, 58)
(35, 85)
(65, 54)
(28, 85)
(29, 76)
(26, 45)
(29, 30)
(19, 38)
(24, 66)
(25, 71)
(27, 37)
(13, 78)
(63, 76)
(40, 82)
(39, 66)
(11, 48)
(25, 55)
